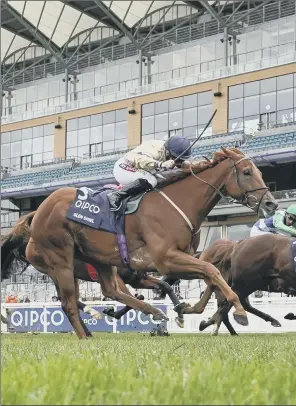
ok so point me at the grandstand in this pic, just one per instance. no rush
(84, 81)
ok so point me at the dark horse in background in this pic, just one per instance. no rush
(161, 239)
(262, 263)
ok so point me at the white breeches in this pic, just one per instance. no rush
(125, 173)
(255, 231)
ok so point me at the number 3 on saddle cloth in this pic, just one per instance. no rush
(91, 208)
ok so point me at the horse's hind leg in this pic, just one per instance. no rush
(57, 263)
(246, 303)
(110, 288)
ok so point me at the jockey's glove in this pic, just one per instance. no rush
(168, 164)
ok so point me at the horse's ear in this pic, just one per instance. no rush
(226, 151)
(229, 153)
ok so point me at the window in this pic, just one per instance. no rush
(26, 161)
(95, 149)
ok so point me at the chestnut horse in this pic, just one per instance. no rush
(159, 234)
(258, 263)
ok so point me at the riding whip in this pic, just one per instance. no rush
(190, 146)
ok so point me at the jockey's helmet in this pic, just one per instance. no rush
(291, 210)
(176, 144)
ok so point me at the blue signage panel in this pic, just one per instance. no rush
(53, 319)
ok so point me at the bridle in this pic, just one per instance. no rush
(246, 194)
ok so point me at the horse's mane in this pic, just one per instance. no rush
(195, 166)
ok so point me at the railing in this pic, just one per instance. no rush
(279, 195)
(156, 87)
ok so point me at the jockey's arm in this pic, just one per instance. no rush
(141, 161)
(147, 156)
(278, 222)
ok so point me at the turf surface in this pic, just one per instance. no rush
(125, 369)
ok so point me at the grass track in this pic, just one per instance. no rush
(139, 369)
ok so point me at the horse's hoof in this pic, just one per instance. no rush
(108, 310)
(179, 322)
(160, 317)
(241, 319)
(203, 325)
(290, 316)
(276, 324)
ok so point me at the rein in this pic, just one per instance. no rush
(245, 194)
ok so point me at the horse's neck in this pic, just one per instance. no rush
(195, 198)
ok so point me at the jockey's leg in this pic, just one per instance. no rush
(134, 181)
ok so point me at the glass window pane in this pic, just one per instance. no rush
(72, 124)
(108, 132)
(71, 139)
(285, 116)
(37, 145)
(16, 149)
(15, 135)
(121, 144)
(268, 85)
(84, 122)
(5, 137)
(251, 88)
(48, 129)
(37, 158)
(190, 132)
(235, 125)
(27, 133)
(5, 151)
(121, 130)
(235, 108)
(83, 137)
(109, 117)
(147, 137)
(38, 131)
(284, 82)
(236, 92)
(48, 156)
(176, 104)
(96, 119)
(190, 101)
(27, 147)
(48, 143)
(121, 115)
(108, 146)
(161, 136)
(285, 99)
(251, 123)
(204, 98)
(175, 120)
(71, 152)
(190, 117)
(238, 232)
(147, 109)
(161, 107)
(268, 102)
(148, 125)
(204, 114)
(251, 105)
(161, 122)
(96, 135)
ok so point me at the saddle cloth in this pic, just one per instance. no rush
(293, 252)
(92, 208)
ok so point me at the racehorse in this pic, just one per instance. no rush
(160, 239)
(262, 263)
(18, 238)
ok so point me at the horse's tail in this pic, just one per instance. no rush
(13, 246)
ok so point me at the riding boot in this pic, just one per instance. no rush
(132, 189)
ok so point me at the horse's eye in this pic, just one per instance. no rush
(247, 172)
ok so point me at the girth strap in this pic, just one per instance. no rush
(178, 209)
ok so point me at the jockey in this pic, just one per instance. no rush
(282, 222)
(135, 170)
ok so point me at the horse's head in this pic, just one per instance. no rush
(246, 184)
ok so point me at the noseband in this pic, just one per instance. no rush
(246, 194)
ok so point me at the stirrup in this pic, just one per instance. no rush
(116, 208)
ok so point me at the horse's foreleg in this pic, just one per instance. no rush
(184, 266)
(200, 306)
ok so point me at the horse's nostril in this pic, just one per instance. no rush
(271, 205)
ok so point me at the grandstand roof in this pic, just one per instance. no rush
(50, 25)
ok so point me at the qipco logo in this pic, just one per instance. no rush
(82, 204)
(30, 318)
